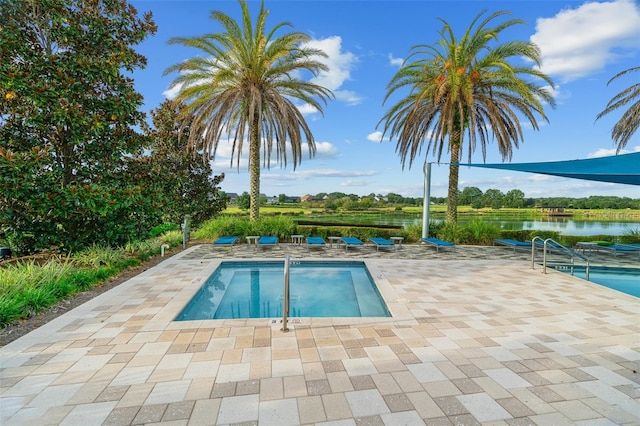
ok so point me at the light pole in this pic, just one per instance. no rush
(426, 201)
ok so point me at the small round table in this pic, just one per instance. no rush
(297, 239)
(334, 240)
(253, 238)
(397, 240)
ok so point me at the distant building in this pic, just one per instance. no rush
(308, 197)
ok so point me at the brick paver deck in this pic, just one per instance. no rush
(477, 337)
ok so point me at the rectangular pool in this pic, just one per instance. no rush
(317, 289)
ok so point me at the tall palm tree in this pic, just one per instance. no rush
(630, 120)
(466, 87)
(246, 83)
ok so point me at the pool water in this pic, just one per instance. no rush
(626, 280)
(317, 289)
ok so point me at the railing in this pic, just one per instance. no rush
(533, 251)
(560, 249)
(285, 295)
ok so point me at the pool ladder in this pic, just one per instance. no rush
(550, 243)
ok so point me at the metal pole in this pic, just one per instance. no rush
(285, 308)
(426, 201)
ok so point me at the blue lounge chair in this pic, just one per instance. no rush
(267, 241)
(617, 249)
(438, 243)
(514, 244)
(315, 242)
(351, 242)
(225, 241)
(382, 243)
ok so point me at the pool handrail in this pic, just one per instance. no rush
(285, 308)
(562, 249)
(533, 250)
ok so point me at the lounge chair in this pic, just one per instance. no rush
(351, 242)
(267, 241)
(438, 243)
(225, 241)
(514, 244)
(315, 242)
(617, 249)
(380, 242)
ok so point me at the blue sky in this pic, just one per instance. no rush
(583, 45)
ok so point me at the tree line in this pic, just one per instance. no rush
(469, 196)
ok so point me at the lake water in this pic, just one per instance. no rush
(563, 225)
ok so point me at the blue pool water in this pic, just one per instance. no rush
(626, 280)
(317, 289)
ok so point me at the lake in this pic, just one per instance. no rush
(563, 225)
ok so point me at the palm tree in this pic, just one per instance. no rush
(630, 120)
(246, 82)
(465, 86)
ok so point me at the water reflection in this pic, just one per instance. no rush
(563, 225)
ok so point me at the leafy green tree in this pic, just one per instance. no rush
(243, 200)
(470, 195)
(514, 198)
(493, 198)
(365, 202)
(184, 179)
(628, 124)
(70, 164)
(469, 87)
(247, 81)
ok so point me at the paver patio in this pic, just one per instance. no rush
(476, 337)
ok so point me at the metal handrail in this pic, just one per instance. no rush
(572, 253)
(533, 250)
(285, 309)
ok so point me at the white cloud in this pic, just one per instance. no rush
(606, 152)
(395, 62)
(222, 161)
(348, 96)
(339, 63)
(319, 173)
(325, 150)
(355, 182)
(577, 42)
(172, 92)
(377, 137)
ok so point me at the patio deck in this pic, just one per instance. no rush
(477, 337)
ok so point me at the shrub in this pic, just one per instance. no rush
(96, 256)
(449, 232)
(479, 232)
(156, 231)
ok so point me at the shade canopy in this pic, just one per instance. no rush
(623, 168)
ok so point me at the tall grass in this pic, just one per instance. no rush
(26, 288)
(479, 232)
(631, 235)
(280, 226)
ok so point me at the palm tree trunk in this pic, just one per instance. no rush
(452, 195)
(254, 170)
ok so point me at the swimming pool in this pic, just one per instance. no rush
(626, 280)
(317, 289)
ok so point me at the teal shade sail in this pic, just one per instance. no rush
(624, 168)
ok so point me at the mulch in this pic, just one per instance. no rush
(22, 327)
